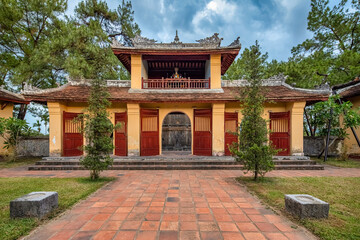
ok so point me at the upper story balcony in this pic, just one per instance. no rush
(175, 83)
(176, 65)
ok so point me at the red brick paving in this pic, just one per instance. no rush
(171, 205)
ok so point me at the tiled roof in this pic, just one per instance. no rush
(348, 90)
(8, 96)
(80, 93)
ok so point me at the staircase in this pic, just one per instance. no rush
(175, 163)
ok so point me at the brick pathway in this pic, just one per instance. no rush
(194, 204)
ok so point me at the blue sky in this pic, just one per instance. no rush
(277, 24)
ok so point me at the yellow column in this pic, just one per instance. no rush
(215, 71)
(55, 129)
(296, 127)
(7, 112)
(218, 129)
(133, 111)
(136, 71)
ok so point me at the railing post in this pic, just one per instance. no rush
(142, 82)
(209, 82)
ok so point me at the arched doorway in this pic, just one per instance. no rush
(176, 134)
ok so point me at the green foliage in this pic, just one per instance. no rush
(320, 114)
(11, 129)
(252, 149)
(40, 45)
(333, 54)
(344, 216)
(70, 190)
(240, 70)
(37, 125)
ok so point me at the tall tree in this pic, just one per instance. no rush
(333, 53)
(253, 150)
(40, 45)
(25, 26)
(240, 69)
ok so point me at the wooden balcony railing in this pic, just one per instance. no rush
(175, 83)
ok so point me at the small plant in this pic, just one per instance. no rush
(11, 129)
(253, 149)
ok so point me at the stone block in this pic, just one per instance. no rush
(306, 206)
(35, 204)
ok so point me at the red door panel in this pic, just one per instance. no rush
(73, 139)
(231, 123)
(280, 132)
(149, 143)
(121, 134)
(202, 132)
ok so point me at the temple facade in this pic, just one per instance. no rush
(182, 79)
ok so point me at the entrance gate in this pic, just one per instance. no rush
(280, 131)
(231, 123)
(73, 139)
(202, 132)
(121, 134)
(149, 143)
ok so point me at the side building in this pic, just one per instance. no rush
(7, 101)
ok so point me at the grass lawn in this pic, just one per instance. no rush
(350, 163)
(70, 191)
(18, 162)
(342, 193)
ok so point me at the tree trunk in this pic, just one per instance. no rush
(256, 171)
(22, 111)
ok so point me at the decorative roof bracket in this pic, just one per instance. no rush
(213, 41)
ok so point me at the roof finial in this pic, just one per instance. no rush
(176, 39)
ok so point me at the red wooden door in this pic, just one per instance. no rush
(231, 123)
(73, 139)
(280, 131)
(149, 143)
(202, 132)
(121, 134)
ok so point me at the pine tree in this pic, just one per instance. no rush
(253, 149)
(97, 130)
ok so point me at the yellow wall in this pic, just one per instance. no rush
(215, 71)
(296, 127)
(133, 111)
(296, 120)
(136, 71)
(218, 129)
(350, 141)
(56, 110)
(7, 112)
(133, 127)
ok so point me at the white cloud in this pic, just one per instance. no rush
(222, 8)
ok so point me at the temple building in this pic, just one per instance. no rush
(172, 81)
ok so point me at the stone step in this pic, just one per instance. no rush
(167, 162)
(173, 167)
(177, 158)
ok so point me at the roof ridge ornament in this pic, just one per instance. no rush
(115, 43)
(176, 38)
(213, 41)
(142, 41)
(235, 43)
